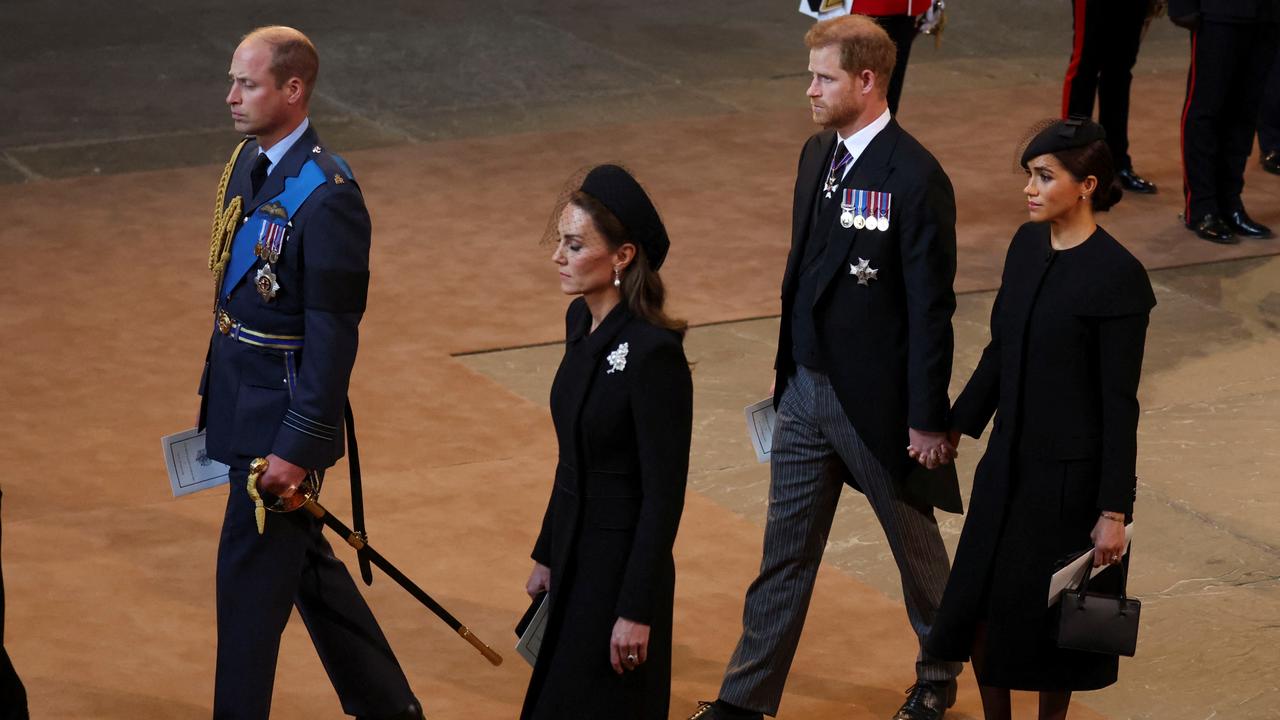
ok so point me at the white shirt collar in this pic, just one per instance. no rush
(277, 151)
(859, 141)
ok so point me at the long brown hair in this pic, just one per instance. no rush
(642, 288)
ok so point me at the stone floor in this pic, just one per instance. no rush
(462, 120)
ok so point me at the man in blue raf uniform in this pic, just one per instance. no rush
(290, 257)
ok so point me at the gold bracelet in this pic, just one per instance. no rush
(1115, 516)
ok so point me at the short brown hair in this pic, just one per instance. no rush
(864, 45)
(292, 55)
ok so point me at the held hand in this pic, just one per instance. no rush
(628, 646)
(930, 449)
(282, 477)
(1108, 540)
(539, 580)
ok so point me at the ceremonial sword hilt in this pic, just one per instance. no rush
(308, 490)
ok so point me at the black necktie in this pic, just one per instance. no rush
(258, 174)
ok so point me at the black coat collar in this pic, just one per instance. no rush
(596, 342)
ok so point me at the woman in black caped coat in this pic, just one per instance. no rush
(1061, 376)
(622, 404)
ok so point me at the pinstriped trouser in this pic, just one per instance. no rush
(814, 449)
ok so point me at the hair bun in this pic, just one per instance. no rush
(1105, 198)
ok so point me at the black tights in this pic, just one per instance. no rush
(996, 704)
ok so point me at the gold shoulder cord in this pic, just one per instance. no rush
(225, 220)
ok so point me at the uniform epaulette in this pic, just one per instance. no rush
(336, 170)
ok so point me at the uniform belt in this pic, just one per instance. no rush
(236, 330)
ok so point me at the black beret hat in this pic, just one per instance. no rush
(1066, 134)
(623, 196)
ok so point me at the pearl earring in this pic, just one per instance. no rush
(617, 277)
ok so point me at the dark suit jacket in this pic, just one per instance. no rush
(886, 345)
(607, 535)
(323, 274)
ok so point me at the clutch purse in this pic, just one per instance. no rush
(1098, 623)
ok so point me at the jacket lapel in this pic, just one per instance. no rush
(290, 165)
(809, 179)
(869, 173)
(588, 353)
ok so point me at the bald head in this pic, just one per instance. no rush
(292, 55)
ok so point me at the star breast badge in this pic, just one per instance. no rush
(618, 359)
(863, 271)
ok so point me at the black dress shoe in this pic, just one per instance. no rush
(1212, 228)
(413, 712)
(1133, 182)
(1271, 162)
(927, 701)
(1244, 225)
(720, 710)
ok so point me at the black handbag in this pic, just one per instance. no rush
(1097, 623)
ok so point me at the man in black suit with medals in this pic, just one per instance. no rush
(1233, 44)
(863, 363)
(290, 255)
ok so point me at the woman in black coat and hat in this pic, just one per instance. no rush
(622, 405)
(1061, 376)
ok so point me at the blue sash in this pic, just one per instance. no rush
(296, 191)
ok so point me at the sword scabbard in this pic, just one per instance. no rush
(488, 653)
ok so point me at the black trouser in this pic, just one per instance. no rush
(902, 30)
(1229, 67)
(1104, 49)
(13, 697)
(260, 580)
(1269, 120)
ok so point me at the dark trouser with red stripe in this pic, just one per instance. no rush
(1229, 67)
(1105, 47)
(902, 30)
(1269, 120)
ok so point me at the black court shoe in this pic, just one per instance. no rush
(1271, 162)
(1212, 228)
(1240, 222)
(1133, 182)
(927, 701)
(413, 712)
(719, 710)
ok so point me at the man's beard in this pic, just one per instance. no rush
(838, 116)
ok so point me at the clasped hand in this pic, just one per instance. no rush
(282, 477)
(932, 449)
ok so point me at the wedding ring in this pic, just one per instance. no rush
(631, 659)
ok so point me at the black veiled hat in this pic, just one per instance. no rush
(1066, 134)
(623, 196)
